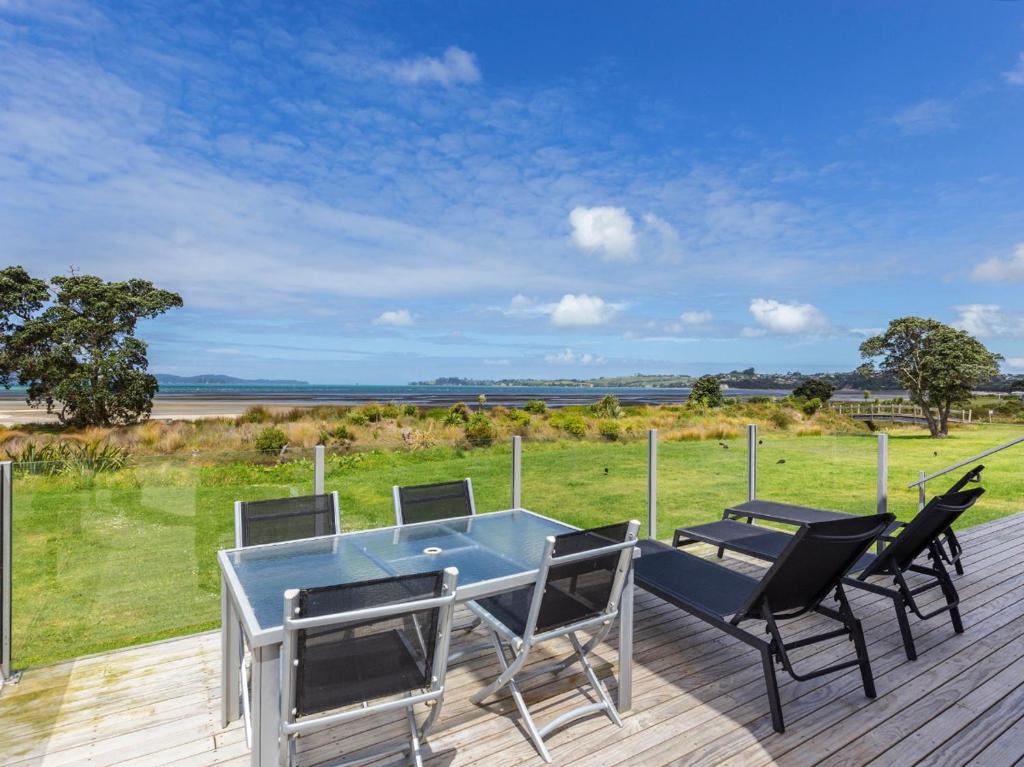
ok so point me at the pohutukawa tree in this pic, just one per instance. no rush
(71, 341)
(937, 364)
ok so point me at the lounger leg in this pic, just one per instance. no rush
(904, 621)
(774, 702)
(952, 598)
(865, 661)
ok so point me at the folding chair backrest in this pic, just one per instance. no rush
(286, 519)
(429, 503)
(813, 563)
(584, 588)
(354, 660)
(930, 522)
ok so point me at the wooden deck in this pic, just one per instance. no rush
(698, 696)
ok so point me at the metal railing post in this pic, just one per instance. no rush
(319, 453)
(517, 472)
(883, 473)
(652, 484)
(751, 461)
(921, 498)
(6, 513)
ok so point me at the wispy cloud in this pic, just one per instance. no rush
(1015, 75)
(1010, 269)
(928, 116)
(397, 318)
(569, 357)
(989, 321)
(455, 66)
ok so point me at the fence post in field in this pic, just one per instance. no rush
(883, 473)
(6, 479)
(751, 461)
(318, 469)
(517, 472)
(652, 483)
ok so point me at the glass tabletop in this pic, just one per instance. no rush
(483, 547)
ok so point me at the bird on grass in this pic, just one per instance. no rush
(725, 446)
(781, 460)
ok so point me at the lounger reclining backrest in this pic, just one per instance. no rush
(812, 564)
(934, 519)
(972, 476)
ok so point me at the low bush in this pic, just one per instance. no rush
(374, 413)
(457, 414)
(410, 410)
(811, 406)
(570, 423)
(607, 407)
(536, 406)
(480, 430)
(271, 439)
(781, 418)
(358, 417)
(391, 410)
(610, 430)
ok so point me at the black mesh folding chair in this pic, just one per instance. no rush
(360, 649)
(810, 567)
(902, 545)
(578, 587)
(275, 521)
(430, 503)
(286, 519)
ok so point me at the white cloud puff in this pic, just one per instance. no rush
(988, 321)
(785, 319)
(603, 230)
(702, 317)
(582, 310)
(453, 67)
(569, 357)
(1002, 269)
(1015, 76)
(399, 318)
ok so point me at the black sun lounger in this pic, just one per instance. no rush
(919, 536)
(809, 568)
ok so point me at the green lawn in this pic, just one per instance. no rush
(129, 557)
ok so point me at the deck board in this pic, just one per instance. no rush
(698, 695)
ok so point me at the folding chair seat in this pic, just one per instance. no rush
(578, 588)
(362, 649)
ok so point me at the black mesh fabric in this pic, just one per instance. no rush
(429, 503)
(934, 519)
(361, 661)
(573, 592)
(287, 519)
(815, 560)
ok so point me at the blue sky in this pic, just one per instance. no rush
(377, 193)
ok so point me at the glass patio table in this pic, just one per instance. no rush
(493, 552)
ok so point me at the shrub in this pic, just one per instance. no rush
(358, 417)
(706, 392)
(607, 407)
(271, 439)
(811, 406)
(536, 406)
(518, 417)
(759, 400)
(480, 429)
(782, 419)
(610, 430)
(409, 409)
(570, 423)
(255, 414)
(391, 410)
(815, 388)
(457, 414)
(337, 434)
(374, 413)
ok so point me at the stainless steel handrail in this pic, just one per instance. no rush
(961, 464)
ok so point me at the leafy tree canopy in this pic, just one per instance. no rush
(814, 388)
(706, 392)
(937, 364)
(71, 341)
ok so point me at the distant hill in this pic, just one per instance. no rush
(222, 380)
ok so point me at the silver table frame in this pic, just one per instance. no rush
(237, 617)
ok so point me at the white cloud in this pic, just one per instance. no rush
(785, 319)
(1014, 362)
(569, 357)
(398, 318)
(926, 116)
(582, 310)
(701, 317)
(454, 66)
(1002, 269)
(1015, 76)
(604, 230)
(988, 321)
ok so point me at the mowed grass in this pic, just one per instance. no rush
(129, 557)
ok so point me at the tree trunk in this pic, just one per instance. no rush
(933, 424)
(944, 421)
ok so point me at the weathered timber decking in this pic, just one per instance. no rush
(698, 696)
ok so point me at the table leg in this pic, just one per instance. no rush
(266, 704)
(626, 645)
(230, 658)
